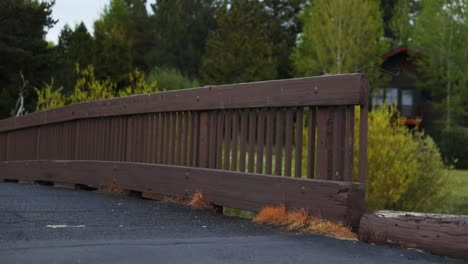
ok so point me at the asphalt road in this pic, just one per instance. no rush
(41, 224)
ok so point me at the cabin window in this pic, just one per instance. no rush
(388, 96)
(406, 103)
(402, 98)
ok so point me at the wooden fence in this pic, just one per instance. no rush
(243, 145)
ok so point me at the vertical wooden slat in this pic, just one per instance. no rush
(123, 137)
(311, 139)
(338, 143)
(260, 140)
(173, 136)
(204, 134)
(164, 137)
(152, 138)
(212, 139)
(349, 144)
(137, 138)
(363, 143)
(279, 142)
(77, 140)
(219, 140)
(148, 138)
(269, 141)
(159, 137)
(227, 139)
(243, 140)
(325, 116)
(180, 136)
(195, 137)
(288, 141)
(185, 156)
(129, 136)
(298, 142)
(235, 139)
(252, 132)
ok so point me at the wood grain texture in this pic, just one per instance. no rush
(343, 89)
(435, 233)
(246, 191)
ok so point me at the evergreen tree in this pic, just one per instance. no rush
(112, 43)
(75, 47)
(23, 50)
(441, 33)
(240, 50)
(180, 29)
(339, 36)
(284, 27)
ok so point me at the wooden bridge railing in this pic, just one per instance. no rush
(298, 128)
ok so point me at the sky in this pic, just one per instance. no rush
(72, 12)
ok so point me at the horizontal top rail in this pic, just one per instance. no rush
(329, 90)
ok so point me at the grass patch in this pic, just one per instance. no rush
(458, 186)
(300, 220)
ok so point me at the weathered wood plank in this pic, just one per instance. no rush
(343, 89)
(279, 142)
(288, 142)
(252, 133)
(435, 233)
(246, 191)
(269, 142)
(298, 142)
(311, 142)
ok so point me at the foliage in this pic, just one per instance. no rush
(138, 85)
(441, 32)
(48, 97)
(239, 49)
(336, 40)
(88, 88)
(454, 146)
(170, 79)
(400, 22)
(428, 190)
(179, 29)
(405, 171)
(23, 50)
(74, 47)
(113, 48)
(283, 25)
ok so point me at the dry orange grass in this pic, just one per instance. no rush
(198, 200)
(299, 220)
(271, 215)
(329, 228)
(113, 188)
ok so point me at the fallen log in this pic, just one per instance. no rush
(434, 233)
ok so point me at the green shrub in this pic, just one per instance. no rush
(428, 191)
(138, 85)
(454, 146)
(405, 170)
(87, 88)
(48, 97)
(170, 79)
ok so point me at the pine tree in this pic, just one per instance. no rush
(339, 36)
(284, 27)
(441, 33)
(23, 50)
(240, 50)
(179, 32)
(113, 47)
(75, 47)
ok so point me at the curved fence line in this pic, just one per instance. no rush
(288, 140)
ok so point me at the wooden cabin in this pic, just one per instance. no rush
(412, 103)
